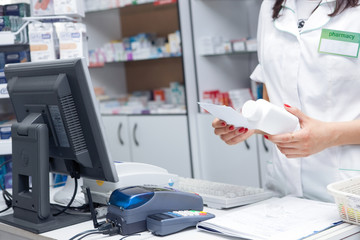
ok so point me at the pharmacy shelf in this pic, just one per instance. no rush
(5, 147)
(54, 18)
(3, 91)
(134, 3)
(14, 47)
(228, 54)
(100, 65)
(9, 38)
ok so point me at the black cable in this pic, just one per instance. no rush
(84, 232)
(6, 195)
(8, 200)
(4, 210)
(3, 187)
(97, 232)
(84, 207)
(71, 201)
(135, 234)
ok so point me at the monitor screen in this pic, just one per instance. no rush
(58, 129)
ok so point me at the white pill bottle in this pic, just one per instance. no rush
(269, 118)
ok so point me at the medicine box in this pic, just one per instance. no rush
(19, 9)
(5, 24)
(239, 45)
(42, 42)
(42, 7)
(72, 40)
(69, 7)
(2, 60)
(17, 57)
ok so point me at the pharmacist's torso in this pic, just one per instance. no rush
(323, 86)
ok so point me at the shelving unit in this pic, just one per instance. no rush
(158, 139)
(8, 44)
(148, 59)
(228, 20)
(107, 6)
(210, 158)
(228, 54)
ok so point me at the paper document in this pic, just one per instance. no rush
(227, 114)
(276, 218)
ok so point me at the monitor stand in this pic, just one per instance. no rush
(31, 200)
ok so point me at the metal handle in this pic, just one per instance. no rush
(264, 144)
(247, 145)
(134, 135)
(119, 134)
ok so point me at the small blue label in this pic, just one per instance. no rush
(75, 35)
(45, 36)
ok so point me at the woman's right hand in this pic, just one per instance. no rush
(229, 134)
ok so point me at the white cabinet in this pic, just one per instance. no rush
(220, 162)
(161, 140)
(118, 140)
(265, 155)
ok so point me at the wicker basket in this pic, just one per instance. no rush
(347, 198)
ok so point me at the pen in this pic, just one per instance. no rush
(318, 231)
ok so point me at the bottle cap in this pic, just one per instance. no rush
(251, 111)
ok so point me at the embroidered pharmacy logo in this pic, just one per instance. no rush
(339, 43)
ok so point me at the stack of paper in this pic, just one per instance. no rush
(276, 218)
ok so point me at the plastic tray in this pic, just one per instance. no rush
(347, 198)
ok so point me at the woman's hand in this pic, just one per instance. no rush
(313, 137)
(229, 134)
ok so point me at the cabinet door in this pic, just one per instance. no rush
(162, 141)
(117, 136)
(265, 148)
(237, 164)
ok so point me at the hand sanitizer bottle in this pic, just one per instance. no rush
(268, 117)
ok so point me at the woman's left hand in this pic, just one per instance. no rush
(313, 137)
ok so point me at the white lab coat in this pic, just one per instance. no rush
(323, 86)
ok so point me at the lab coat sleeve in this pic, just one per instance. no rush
(257, 74)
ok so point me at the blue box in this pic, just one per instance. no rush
(19, 9)
(17, 57)
(5, 23)
(5, 132)
(2, 61)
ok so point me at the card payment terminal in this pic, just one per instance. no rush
(129, 207)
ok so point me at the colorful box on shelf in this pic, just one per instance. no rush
(42, 41)
(163, 2)
(18, 9)
(74, 8)
(216, 45)
(95, 5)
(72, 39)
(42, 7)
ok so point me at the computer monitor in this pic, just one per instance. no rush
(59, 130)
